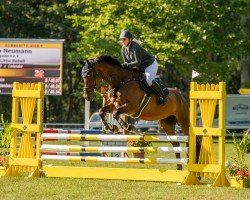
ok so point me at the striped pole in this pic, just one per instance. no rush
(64, 153)
(78, 148)
(116, 160)
(72, 131)
(79, 137)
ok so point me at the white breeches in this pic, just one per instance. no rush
(150, 72)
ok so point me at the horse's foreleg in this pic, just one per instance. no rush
(121, 122)
(102, 112)
(122, 110)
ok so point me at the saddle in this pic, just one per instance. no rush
(144, 102)
(144, 86)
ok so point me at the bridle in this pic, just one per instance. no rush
(89, 72)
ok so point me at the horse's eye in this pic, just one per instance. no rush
(85, 75)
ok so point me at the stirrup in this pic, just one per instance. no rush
(162, 101)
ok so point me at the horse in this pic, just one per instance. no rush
(126, 95)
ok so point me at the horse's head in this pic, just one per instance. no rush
(104, 68)
(90, 79)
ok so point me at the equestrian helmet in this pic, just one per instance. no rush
(126, 34)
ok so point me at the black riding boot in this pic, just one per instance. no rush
(161, 96)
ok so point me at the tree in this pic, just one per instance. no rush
(211, 37)
(46, 19)
(202, 35)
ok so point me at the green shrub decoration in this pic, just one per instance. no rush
(5, 137)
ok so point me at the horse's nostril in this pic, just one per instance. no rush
(87, 98)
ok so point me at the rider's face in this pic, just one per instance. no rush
(125, 41)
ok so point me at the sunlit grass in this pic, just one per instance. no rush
(67, 188)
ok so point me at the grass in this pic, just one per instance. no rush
(48, 188)
(64, 188)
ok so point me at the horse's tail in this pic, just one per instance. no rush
(185, 106)
(183, 113)
(186, 114)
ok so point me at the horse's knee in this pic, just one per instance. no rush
(102, 111)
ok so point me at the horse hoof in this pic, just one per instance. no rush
(179, 167)
(106, 128)
(111, 127)
(126, 127)
(115, 129)
(131, 128)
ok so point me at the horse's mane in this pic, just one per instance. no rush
(108, 59)
(111, 60)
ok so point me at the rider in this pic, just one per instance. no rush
(135, 56)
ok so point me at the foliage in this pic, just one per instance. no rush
(46, 19)
(241, 147)
(140, 143)
(239, 168)
(207, 36)
(210, 37)
(5, 139)
(235, 170)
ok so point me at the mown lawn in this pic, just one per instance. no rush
(64, 188)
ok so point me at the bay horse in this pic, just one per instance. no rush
(126, 96)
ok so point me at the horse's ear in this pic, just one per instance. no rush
(81, 61)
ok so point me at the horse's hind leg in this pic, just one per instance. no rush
(183, 121)
(168, 125)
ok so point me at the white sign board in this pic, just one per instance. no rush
(238, 110)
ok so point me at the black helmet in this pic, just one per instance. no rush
(126, 34)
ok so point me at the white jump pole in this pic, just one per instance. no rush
(86, 119)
